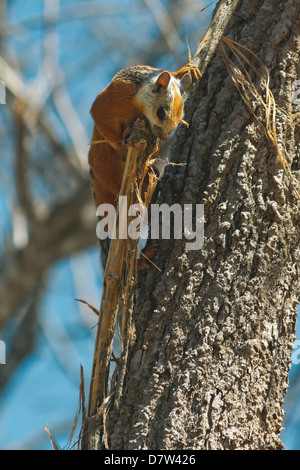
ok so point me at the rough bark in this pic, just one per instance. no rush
(214, 330)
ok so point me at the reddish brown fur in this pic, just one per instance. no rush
(176, 108)
(113, 111)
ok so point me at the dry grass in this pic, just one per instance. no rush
(81, 409)
(52, 439)
(241, 77)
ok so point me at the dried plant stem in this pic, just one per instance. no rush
(130, 277)
(120, 272)
(247, 89)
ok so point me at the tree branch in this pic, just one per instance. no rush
(62, 233)
(215, 31)
(34, 116)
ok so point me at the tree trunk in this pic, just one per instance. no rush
(214, 330)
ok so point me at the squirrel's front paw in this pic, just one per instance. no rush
(194, 71)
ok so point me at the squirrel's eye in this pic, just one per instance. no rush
(161, 113)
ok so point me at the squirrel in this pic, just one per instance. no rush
(133, 92)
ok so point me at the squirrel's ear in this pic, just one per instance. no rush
(185, 81)
(95, 109)
(162, 81)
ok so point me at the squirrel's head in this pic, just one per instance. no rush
(162, 102)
